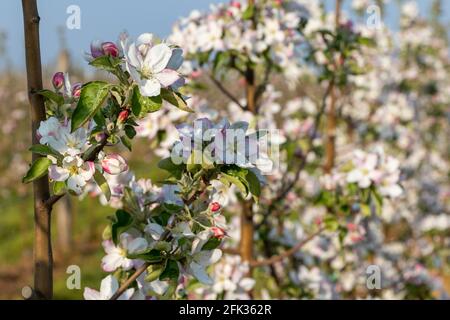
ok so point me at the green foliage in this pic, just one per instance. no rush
(103, 184)
(176, 99)
(123, 221)
(38, 169)
(171, 272)
(93, 95)
(141, 105)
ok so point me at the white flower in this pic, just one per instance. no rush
(365, 170)
(201, 259)
(114, 164)
(154, 230)
(117, 255)
(108, 287)
(153, 66)
(59, 137)
(49, 130)
(75, 171)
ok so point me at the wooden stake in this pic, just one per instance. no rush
(43, 260)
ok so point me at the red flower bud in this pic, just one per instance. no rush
(58, 80)
(110, 48)
(215, 206)
(123, 116)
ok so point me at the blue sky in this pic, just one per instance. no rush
(103, 19)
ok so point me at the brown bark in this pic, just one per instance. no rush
(247, 226)
(247, 231)
(43, 260)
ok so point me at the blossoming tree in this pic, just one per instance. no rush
(309, 210)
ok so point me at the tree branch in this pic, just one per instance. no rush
(287, 253)
(225, 91)
(129, 281)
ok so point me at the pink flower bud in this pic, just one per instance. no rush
(219, 233)
(215, 206)
(110, 48)
(235, 4)
(58, 80)
(123, 116)
(76, 90)
(96, 49)
(114, 164)
(196, 74)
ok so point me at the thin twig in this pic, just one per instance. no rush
(136, 274)
(287, 253)
(284, 191)
(129, 281)
(226, 92)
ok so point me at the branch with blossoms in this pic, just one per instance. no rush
(82, 120)
(161, 236)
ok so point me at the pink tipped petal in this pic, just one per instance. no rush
(91, 294)
(167, 77)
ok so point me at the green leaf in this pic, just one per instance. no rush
(253, 183)
(99, 119)
(150, 256)
(126, 142)
(103, 184)
(38, 169)
(237, 182)
(167, 165)
(175, 99)
(331, 223)
(154, 271)
(221, 61)
(93, 95)
(44, 150)
(365, 210)
(171, 272)
(52, 96)
(249, 12)
(59, 188)
(130, 131)
(106, 62)
(141, 105)
(122, 223)
(212, 243)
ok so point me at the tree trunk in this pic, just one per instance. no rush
(43, 260)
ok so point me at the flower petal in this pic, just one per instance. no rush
(158, 57)
(150, 88)
(108, 287)
(167, 77)
(91, 294)
(199, 272)
(176, 60)
(58, 174)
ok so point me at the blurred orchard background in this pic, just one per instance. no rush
(78, 225)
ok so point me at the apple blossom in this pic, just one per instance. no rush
(74, 171)
(114, 164)
(152, 66)
(116, 256)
